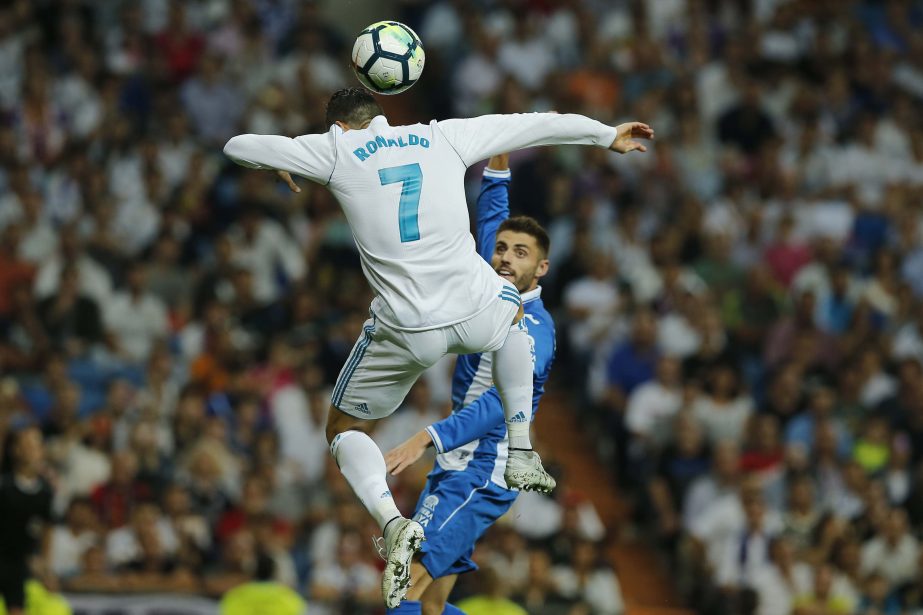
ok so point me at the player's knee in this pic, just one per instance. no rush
(338, 422)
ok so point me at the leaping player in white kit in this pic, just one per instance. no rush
(402, 191)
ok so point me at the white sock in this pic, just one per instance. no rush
(512, 370)
(363, 465)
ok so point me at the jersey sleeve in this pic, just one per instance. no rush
(310, 156)
(468, 423)
(478, 138)
(492, 209)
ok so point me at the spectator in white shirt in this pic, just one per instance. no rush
(907, 342)
(592, 303)
(70, 540)
(653, 405)
(723, 410)
(135, 319)
(722, 481)
(299, 422)
(894, 552)
(265, 249)
(777, 584)
(346, 582)
(724, 521)
(746, 552)
(590, 581)
(38, 237)
(94, 281)
(526, 56)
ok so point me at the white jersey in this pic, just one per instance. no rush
(402, 190)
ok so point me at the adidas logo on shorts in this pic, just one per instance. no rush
(363, 408)
(520, 417)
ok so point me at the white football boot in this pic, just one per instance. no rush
(524, 471)
(402, 540)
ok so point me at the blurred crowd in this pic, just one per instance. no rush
(740, 310)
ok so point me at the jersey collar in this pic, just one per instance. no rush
(532, 295)
(378, 119)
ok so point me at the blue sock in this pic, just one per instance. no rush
(408, 607)
(451, 609)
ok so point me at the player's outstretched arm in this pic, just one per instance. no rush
(478, 138)
(311, 156)
(493, 206)
(474, 421)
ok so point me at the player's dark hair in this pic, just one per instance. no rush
(529, 226)
(353, 106)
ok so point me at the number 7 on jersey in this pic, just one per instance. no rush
(411, 176)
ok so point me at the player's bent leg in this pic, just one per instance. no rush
(339, 422)
(362, 464)
(434, 600)
(406, 607)
(420, 580)
(512, 367)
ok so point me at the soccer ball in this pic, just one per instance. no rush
(388, 57)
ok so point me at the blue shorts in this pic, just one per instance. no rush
(455, 509)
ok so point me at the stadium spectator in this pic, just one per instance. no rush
(135, 319)
(72, 539)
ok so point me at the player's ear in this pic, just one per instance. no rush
(542, 268)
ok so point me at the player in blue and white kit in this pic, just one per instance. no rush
(402, 191)
(466, 492)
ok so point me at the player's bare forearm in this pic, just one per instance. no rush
(405, 455)
(500, 162)
(624, 140)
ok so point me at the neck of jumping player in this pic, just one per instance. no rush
(347, 127)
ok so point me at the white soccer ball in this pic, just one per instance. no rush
(388, 57)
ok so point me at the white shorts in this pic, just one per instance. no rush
(386, 362)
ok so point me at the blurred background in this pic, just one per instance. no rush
(736, 413)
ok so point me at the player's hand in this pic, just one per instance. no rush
(405, 455)
(500, 162)
(627, 132)
(287, 178)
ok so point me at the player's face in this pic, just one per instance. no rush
(518, 258)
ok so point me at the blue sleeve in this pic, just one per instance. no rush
(493, 208)
(468, 423)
